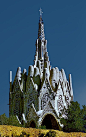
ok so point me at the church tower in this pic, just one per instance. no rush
(38, 99)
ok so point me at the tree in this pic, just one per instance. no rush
(14, 121)
(74, 123)
(3, 119)
(83, 115)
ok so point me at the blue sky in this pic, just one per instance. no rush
(65, 31)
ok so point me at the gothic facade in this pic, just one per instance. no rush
(38, 98)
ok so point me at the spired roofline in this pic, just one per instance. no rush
(41, 55)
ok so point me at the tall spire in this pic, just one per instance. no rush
(41, 56)
(41, 35)
(40, 15)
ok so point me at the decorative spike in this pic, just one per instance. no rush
(19, 74)
(24, 71)
(63, 75)
(57, 74)
(70, 83)
(60, 76)
(10, 76)
(31, 71)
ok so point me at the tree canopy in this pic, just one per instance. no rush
(75, 121)
(12, 120)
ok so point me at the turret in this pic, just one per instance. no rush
(23, 81)
(10, 81)
(63, 75)
(19, 74)
(10, 94)
(57, 75)
(31, 71)
(70, 84)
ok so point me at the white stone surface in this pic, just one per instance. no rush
(25, 70)
(53, 77)
(57, 75)
(70, 83)
(39, 112)
(31, 71)
(23, 115)
(63, 75)
(18, 119)
(60, 76)
(36, 71)
(19, 73)
(10, 76)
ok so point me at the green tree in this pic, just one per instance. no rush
(3, 119)
(83, 115)
(74, 122)
(13, 121)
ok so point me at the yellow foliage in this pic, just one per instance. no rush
(8, 130)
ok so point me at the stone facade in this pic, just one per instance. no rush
(41, 95)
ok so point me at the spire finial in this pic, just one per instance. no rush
(40, 12)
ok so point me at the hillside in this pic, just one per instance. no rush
(7, 130)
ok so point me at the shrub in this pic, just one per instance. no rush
(51, 134)
(3, 119)
(13, 121)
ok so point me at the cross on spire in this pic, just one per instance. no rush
(40, 12)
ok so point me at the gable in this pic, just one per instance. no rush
(16, 86)
(49, 108)
(32, 112)
(45, 87)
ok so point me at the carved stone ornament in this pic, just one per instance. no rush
(60, 104)
(45, 98)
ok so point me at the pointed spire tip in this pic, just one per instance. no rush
(40, 12)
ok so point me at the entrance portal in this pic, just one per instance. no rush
(50, 122)
(32, 124)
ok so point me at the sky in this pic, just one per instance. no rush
(65, 31)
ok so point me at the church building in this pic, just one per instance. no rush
(38, 98)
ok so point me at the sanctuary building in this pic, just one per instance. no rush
(38, 98)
